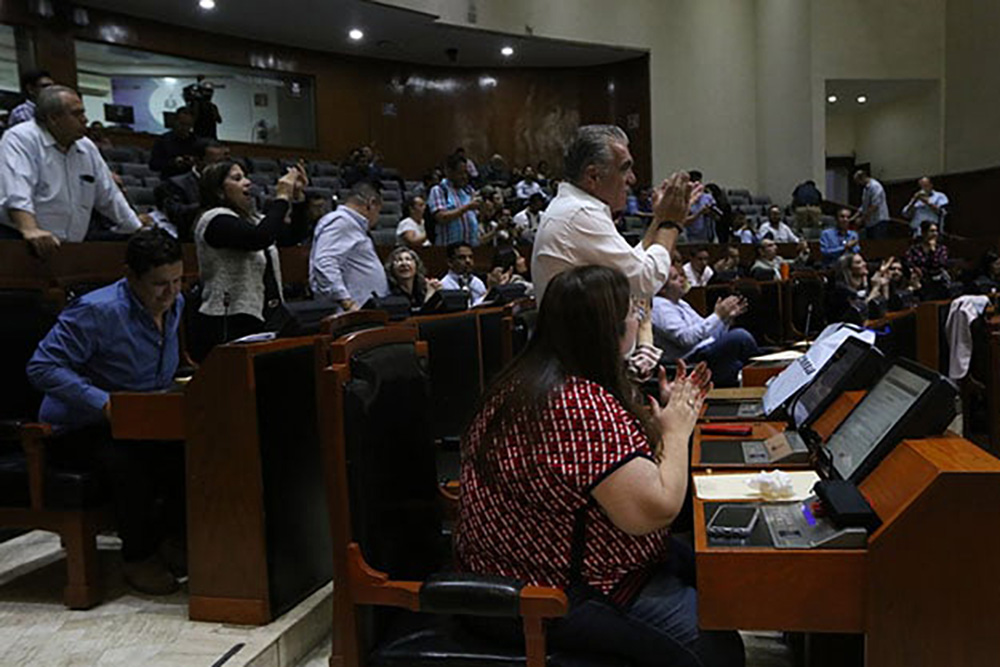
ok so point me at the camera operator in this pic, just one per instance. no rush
(198, 97)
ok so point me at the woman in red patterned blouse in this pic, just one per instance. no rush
(568, 481)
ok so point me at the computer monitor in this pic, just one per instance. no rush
(908, 401)
(854, 365)
(119, 114)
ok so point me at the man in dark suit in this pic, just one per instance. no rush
(178, 196)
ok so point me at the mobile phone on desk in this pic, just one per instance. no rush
(733, 521)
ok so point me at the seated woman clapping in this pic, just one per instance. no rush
(569, 481)
(407, 277)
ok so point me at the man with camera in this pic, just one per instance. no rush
(198, 97)
(926, 204)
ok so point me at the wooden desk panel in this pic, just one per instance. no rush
(147, 415)
(757, 373)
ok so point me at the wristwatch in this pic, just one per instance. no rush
(669, 224)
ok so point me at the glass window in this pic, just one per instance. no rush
(10, 83)
(142, 91)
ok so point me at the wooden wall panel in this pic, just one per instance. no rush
(525, 114)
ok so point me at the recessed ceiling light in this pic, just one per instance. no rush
(831, 99)
(169, 80)
(206, 4)
(356, 34)
(507, 51)
(862, 99)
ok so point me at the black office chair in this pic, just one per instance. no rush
(395, 602)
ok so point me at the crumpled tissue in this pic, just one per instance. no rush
(773, 485)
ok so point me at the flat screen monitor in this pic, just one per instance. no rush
(853, 364)
(874, 420)
(120, 114)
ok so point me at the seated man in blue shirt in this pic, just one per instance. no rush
(684, 334)
(121, 337)
(834, 241)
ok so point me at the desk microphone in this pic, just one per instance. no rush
(225, 317)
(809, 314)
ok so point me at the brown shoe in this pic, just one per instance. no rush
(150, 576)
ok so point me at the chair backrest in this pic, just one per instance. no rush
(27, 317)
(491, 333)
(455, 369)
(345, 323)
(806, 288)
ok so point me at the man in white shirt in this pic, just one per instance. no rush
(577, 228)
(684, 334)
(697, 271)
(527, 219)
(52, 177)
(779, 231)
(926, 204)
(528, 185)
(874, 212)
(459, 276)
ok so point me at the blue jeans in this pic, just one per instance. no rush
(726, 356)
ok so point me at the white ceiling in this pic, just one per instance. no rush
(390, 33)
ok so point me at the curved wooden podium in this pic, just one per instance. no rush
(924, 592)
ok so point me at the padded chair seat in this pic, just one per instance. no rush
(64, 489)
(442, 641)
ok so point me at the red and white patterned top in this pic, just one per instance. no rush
(522, 526)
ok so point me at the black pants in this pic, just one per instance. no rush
(144, 478)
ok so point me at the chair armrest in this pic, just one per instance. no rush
(33, 437)
(488, 595)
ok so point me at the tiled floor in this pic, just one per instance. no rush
(128, 629)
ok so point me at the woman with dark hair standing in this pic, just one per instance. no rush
(568, 481)
(238, 255)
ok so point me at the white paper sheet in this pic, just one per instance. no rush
(802, 371)
(735, 487)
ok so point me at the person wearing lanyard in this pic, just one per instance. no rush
(122, 337)
(454, 205)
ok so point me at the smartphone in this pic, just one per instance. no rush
(733, 521)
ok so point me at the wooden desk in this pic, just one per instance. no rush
(757, 373)
(255, 495)
(924, 592)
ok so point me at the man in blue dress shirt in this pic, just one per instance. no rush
(834, 241)
(121, 337)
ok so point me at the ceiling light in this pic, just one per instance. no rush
(862, 99)
(507, 51)
(206, 4)
(169, 80)
(356, 34)
(831, 99)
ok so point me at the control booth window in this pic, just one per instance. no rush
(141, 91)
(10, 84)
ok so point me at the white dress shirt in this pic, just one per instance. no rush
(694, 280)
(343, 263)
(477, 290)
(781, 234)
(576, 230)
(60, 189)
(525, 189)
